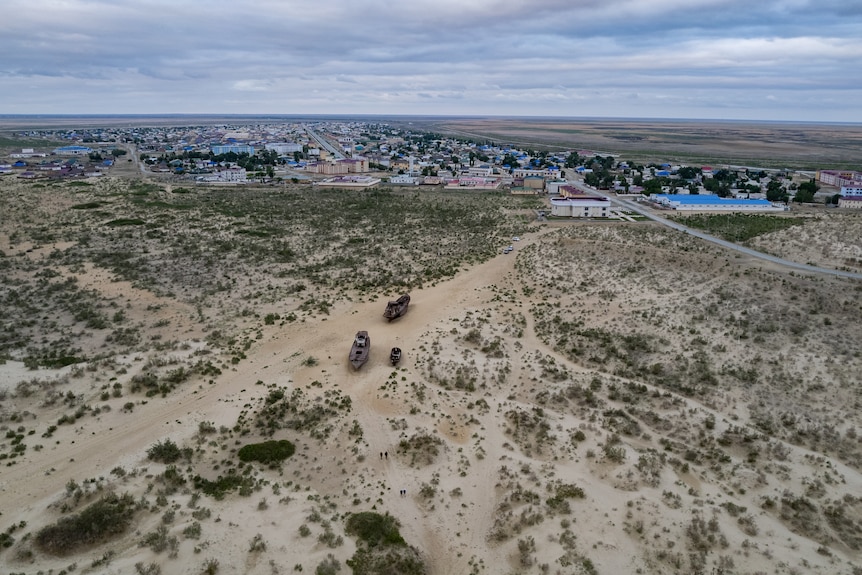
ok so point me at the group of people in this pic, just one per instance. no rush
(385, 455)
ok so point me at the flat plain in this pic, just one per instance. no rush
(770, 145)
(609, 398)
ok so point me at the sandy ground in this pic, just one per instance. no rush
(501, 407)
(114, 439)
(451, 528)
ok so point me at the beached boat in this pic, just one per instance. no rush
(360, 349)
(395, 355)
(397, 308)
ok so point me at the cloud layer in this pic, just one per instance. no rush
(726, 59)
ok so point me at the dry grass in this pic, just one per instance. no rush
(618, 398)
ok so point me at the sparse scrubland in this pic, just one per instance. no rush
(175, 394)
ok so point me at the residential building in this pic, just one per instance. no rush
(219, 149)
(404, 180)
(581, 207)
(839, 178)
(854, 202)
(72, 151)
(483, 171)
(283, 148)
(431, 181)
(472, 183)
(233, 174)
(540, 172)
(534, 182)
(352, 181)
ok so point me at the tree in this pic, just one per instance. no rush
(724, 175)
(652, 186)
(573, 160)
(509, 160)
(809, 186)
(805, 192)
(688, 172)
(803, 196)
(775, 192)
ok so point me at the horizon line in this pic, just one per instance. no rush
(341, 116)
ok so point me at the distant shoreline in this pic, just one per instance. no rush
(12, 121)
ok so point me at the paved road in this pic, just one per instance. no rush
(633, 206)
(322, 141)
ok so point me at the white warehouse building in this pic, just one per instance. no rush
(284, 147)
(585, 207)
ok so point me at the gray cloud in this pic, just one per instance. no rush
(776, 59)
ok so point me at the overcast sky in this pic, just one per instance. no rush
(783, 60)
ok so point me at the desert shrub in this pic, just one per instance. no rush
(106, 518)
(257, 544)
(421, 447)
(562, 492)
(732, 509)
(210, 567)
(125, 222)
(193, 531)
(147, 569)
(165, 452)
(223, 484)
(159, 540)
(374, 529)
(615, 453)
(400, 560)
(267, 452)
(328, 566)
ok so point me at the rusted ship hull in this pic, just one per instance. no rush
(360, 349)
(397, 308)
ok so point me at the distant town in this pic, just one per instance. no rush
(366, 155)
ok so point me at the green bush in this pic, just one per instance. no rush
(107, 517)
(374, 529)
(268, 452)
(223, 484)
(164, 451)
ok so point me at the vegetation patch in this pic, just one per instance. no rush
(165, 452)
(224, 484)
(120, 222)
(380, 546)
(88, 205)
(374, 529)
(106, 518)
(739, 227)
(268, 452)
(421, 448)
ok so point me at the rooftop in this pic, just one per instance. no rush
(702, 199)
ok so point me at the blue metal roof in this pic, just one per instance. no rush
(699, 199)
